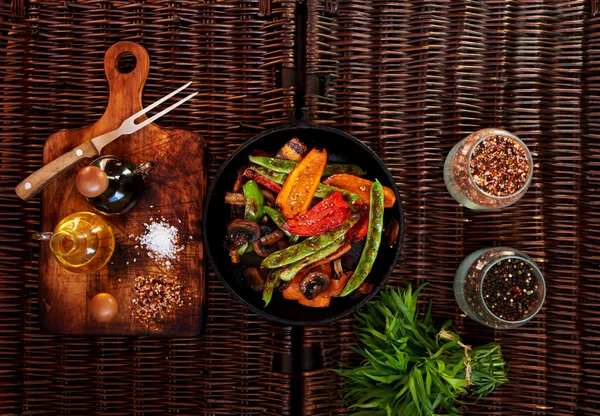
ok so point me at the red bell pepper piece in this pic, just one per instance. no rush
(360, 229)
(266, 182)
(258, 152)
(325, 216)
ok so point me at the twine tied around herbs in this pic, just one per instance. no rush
(448, 336)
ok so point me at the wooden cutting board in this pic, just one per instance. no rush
(174, 190)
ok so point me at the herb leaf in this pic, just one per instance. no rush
(409, 367)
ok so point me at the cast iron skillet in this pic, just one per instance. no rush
(341, 148)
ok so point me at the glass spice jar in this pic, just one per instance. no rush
(489, 169)
(499, 287)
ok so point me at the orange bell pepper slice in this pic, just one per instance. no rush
(301, 184)
(360, 186)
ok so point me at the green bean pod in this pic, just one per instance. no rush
(309, 246)
(369, 253)
(279, 219)
(286, 166)
(288, 273)
(272, 280)
(323, 191)
(254, 201)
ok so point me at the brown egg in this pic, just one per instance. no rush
(103, 307)
(91, 181)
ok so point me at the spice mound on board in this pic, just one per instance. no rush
(499, 166)
(153, 297)
(162, 241)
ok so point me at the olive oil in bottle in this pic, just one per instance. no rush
(82, 242)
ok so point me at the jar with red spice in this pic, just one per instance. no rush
(489, 169)
(499, 287)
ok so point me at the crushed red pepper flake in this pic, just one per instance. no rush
(154, 297)
(500, 166)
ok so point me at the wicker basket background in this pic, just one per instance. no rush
(408, 78)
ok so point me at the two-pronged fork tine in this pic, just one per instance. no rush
(156, 104)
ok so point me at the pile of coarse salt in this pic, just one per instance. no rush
(161, 239)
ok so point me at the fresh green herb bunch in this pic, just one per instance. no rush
(409, 367)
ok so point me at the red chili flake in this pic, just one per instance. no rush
(500, 166)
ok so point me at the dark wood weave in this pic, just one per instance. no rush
(410, 79)
(413, 78)
(52, 77)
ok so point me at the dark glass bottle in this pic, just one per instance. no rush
(125, 185)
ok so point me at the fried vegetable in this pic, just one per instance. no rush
(270, 284)
(253, 279)
(266, 182)
(301, 184)
(359, 231)
(286, 166)
(292, 150)
(314, 284)
(359, 186)
(324, 216)
(279, 219)
(241, 232)
(309, 246)
(369, 253)
(288, 272)
(235, 198)
(254, 201)
(323, 191)
(335, 256)
(323, 299)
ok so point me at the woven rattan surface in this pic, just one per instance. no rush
(409, 78)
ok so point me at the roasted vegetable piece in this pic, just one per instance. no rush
(292, 150)
(253, 279)
(286, 166)
(369, 253)
(254, 201)
(292, 291)
(359, 186)
(266, 182)
(359, 231)
(235, 198)
(309, 246)
(301, 184)
(241, 232)
(343, 250)
(314, 284)
(323, 191)
(324, 216)
(279, 219)
(288, 272)
(270, 284)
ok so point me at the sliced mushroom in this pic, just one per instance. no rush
(235, 198)
(282, 244)
(362, 290)
(269, 197)
(313, 284)
(240, 232)
(271, 238)
(262, 250)
(253, 279)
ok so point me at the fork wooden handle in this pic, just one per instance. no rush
(39, 179)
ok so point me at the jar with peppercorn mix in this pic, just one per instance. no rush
(489, 169)
(499, 287)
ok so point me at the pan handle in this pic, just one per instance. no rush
(305, 119)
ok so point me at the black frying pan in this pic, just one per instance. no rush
(341, 148)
